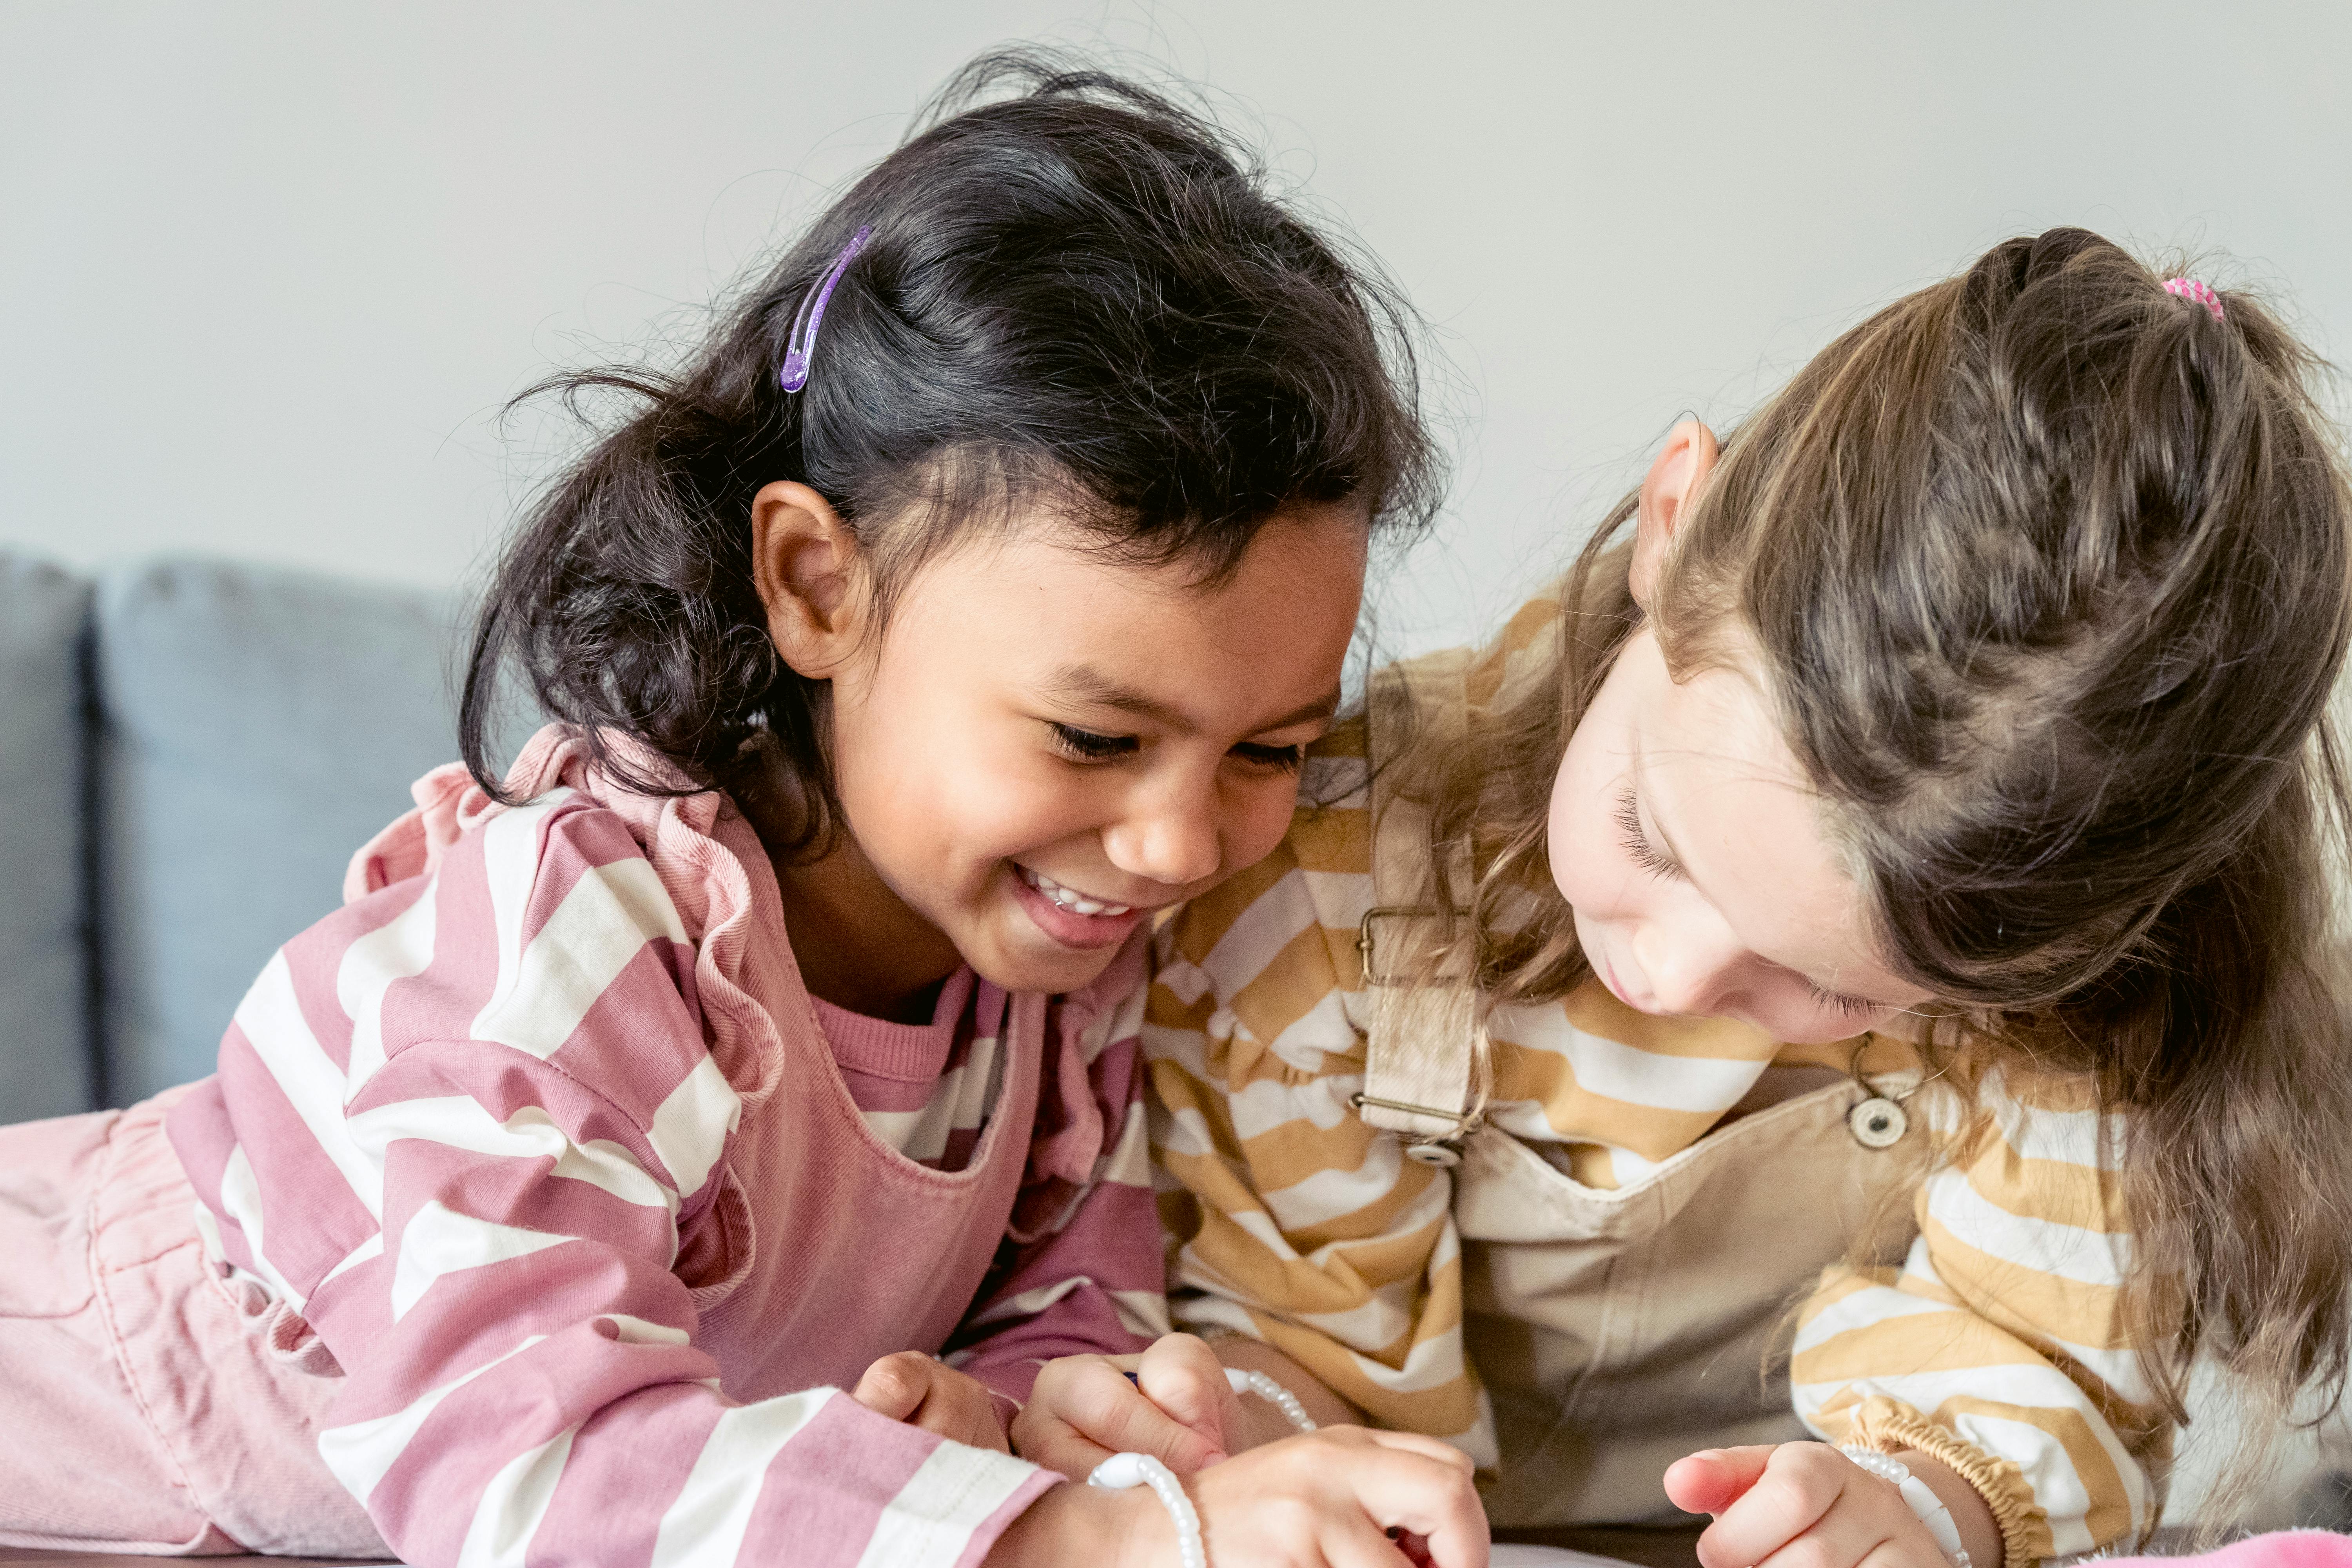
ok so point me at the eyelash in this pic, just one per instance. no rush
(1272, 759)
(1087, 746)
(1644, 854)
(1843, 1005)
(1647, 856)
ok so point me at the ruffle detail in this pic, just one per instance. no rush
(286, 1336)
(1889, 1427)
(685, 838)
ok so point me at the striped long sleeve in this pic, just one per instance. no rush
(1999, 1345)
(462, 1127)
(1079, 1272)
(1288, 1219)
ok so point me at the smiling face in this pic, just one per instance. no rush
(1042, 747)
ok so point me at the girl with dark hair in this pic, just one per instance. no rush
(770, 1027)
(1897, 880)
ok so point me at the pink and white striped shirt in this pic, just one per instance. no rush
(544, 1138)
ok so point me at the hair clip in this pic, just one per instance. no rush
(2195, 289)
(802, 344)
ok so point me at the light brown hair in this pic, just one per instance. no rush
(2050, 574)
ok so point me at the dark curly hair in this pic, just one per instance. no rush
(1078, 295)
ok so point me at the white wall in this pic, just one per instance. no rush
(266, 269)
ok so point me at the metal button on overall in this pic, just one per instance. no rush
(1877, 1122)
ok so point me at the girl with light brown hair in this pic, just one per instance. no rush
(1893, 883)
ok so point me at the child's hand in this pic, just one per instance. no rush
(1775, 1496)
(1084, 1409)
(924, 1391)
(1326, 1500)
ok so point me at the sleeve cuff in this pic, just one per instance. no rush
(1033, 1487)
(1889, 1425)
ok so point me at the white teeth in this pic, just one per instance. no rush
(1077, 903)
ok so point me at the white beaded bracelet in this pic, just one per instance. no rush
(1121, 1471)
(1924, 1504)
(1274, 1394)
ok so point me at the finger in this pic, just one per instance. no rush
(896, 1384)
(1892, 1553)
(1355, 1543)
(984, 1430)
(1713, 1479)
(1116, 1414)
(961, 1409)
(1182, 1375)
(1842, 1538)
(1402, 1489)
(1436, 1448)
(1801, 1483)
(1056, 1445)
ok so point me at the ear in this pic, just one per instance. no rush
(810, 574)
(1673, 483)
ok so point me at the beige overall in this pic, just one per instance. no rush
(1616, 1331)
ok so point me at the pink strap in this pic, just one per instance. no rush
(2195, 289)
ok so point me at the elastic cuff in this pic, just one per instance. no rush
(1890, 1427)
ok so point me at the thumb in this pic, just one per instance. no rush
(896, 1384)
(1182, 1375)
(1713, 1479)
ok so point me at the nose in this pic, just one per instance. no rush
(1169, 832)
(1693, 964)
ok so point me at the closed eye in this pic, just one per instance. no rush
(1273, 759)
(1845, 1007)
(1638, 848)
(1087, 747)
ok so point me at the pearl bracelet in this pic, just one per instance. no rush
(1922, 1499)
(1274, 1394)
(1121, 1471)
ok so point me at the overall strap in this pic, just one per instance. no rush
(1421, 1041)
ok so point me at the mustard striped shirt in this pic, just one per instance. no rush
(1998, 1345)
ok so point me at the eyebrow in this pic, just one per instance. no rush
(1083, 683)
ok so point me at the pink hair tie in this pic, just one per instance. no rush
(2195, 289)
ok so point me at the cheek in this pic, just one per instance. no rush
(928, 783)
(1255, 816)
(1589, 866)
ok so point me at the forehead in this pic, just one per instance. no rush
(1039, 601)
(1748, 827)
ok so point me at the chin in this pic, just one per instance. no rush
(1050, 978)
(1020, 967)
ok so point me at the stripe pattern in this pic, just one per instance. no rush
(1292, 1222)
(925, 1089)
(461, 1127)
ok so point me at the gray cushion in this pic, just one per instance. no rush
(44, 1057)
(260, 726)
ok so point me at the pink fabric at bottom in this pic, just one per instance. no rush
(2281, 1549)
(144, 1409)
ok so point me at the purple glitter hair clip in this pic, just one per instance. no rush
(802, 344)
